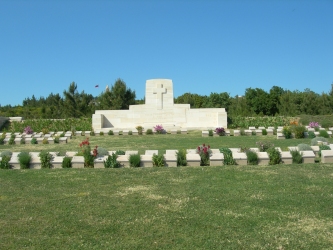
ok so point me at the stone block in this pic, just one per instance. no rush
(174, 131)
(193, 160)
(216, 159)
(280, 136)
(183, 131)
(50, 140)
(286, 157)
(116, 132)
(68, 135)
(78, 133)
(146, 161)
(248, 132)
(125, 132)
(258, 132)
(135, 132)
(191, 151)
(254, 149)
(205, 133)
(57, 161)
(17, 140)
(322, 128)
(308, 156)
(40, 140)
(170, 160)
(151, 152)
(261, 128)
(215, 150)
(329, 133)
(71, 153)
(263, 158)
(171, 152)
(311, 129)
(87, 133)
(272, 128)
(14, 161)
(279, 130)
(27, 140)
(78, 162)
(131, 152)
(240, 158)
(252, 128)
(316, 133)
(123, 160)
(227, 132)
(330, 129)
(327, 156)
(35, 162)
(62, 140)
(99, 162)
(234, 150)
(236, 132)
(293, 148)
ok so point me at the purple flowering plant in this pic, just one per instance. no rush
(220, 131)
(313, 124)
(28, 130)
(159, 129)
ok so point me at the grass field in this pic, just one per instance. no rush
(226, 207)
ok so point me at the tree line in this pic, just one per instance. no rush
(255, 102)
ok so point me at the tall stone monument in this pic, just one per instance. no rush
(159, 109)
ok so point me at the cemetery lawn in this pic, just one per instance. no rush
(157, 142)
(227, 207)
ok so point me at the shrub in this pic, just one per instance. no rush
(6, 153)
(159, 129)
(102, 152)
(326, 123)
(252, 157)
(297, 156)
(158, 160)
(101, 133)
(149, 131)
(11, 140)
(205, 152)
(263, 146)
(110, 132)
(28, 130)
(264, 132)
(45, 159)
(323, 147)
(314, 125)
(120, 152)
(181, 157)
(86, 152)
(274, 156)
(286, 131)
(56, 139)
(4, 163)
(130, 132)
(45, 141)
(304, 147)
(134, 160)
(22, 141)
(210, 132)
(2, 140)
(311, 135)
(253, 132)
(323, 133)
(45, 131)
(220, 131)
(299, 131)
(24, 159)
(228, 159)
(66, 162)
(92, 133)
(314, 141)
(242, 131)
(111, 161)
(139, 129)
(33, 141)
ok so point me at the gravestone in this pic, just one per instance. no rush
(159, 109)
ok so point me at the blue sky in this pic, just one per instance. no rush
(204, 46)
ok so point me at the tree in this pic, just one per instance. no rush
(257, 100)
(274, 100)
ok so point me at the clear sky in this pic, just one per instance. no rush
(204, 46)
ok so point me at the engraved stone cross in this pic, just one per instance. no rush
(159, 91)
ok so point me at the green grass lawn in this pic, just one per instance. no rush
(226, 207)
(231, 207)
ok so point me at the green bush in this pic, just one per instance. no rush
(45, 141)
(297, 156)
(134, 160)
(2, 140)
(130, 132)
(56, 139)
(92, 133)
(299, 131)
(149, 132)
(139, 129)
(102, 152)
(264, 132)
(45, 159)
(158, 160)
(252, 157)
(111, 161)
(101, 133)
(110, 132)
(263, 146)
(24, 160)
(22, 141)
(33, 141)
(323, 147)
(181, 157)
(323, 133)
(210, 132)
(314, 141)
(286, 131)
(11, 140)
(66, 162)
(228, 159)
(274, 156)
(242, 131)
(304, 147)
(4, 163)
(120, 152)
(311, 135)
(254, 132)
